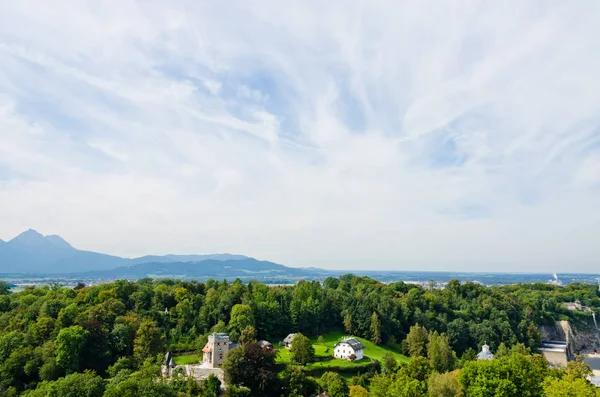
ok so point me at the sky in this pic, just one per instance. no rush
(460, 135)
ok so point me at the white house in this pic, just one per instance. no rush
(349, 349)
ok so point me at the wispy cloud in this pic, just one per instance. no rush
(351, 134)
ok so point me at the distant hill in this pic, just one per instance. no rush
(32, 252)
(208, 268)
(184, 258)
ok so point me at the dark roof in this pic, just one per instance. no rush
(354, 343)
(233, 345)
(288, 339)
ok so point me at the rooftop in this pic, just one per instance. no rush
(354, 343)
(554, 346)
(288, 339)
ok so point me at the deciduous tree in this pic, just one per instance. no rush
(441, 356)
(444, 385)
(69, 345)
(358, 391)
(302, 350)
(149, 340)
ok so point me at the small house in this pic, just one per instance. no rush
(349, 349)
(265, 344)
(287, 342)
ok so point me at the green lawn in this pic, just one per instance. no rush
(191, 359)
(372, 351)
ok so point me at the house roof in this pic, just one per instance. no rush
(264, 343)
(206, 349)
(288, 339)
(553, 346)
(354, 343)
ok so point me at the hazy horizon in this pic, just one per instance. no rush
(406, 136)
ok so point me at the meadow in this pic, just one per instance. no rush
(325, 349)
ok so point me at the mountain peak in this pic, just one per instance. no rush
(31, 239)
(29, 235)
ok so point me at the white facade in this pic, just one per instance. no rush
(344, 350)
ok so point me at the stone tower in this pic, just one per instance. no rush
(215, 349)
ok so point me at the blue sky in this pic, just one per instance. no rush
(354, 134)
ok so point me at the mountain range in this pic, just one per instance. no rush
(33, 253)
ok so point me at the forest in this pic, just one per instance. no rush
(111, 338)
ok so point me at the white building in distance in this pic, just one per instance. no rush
(485, 353)
(349, 349)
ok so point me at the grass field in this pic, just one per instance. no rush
(191, 359)
(324, 349)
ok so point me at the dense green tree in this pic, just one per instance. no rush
(69, 345)
(577, 369)
(302, 349)
(444, 385)
(375, 329)
(417, 340)
(248, 335)
(73, 385)
(502, 351)
(253, 367)
(358, 391)
(122, 338)
(389, 363)
(4, 288)
(211, 386)
(149, 340)
(348, 324)
(380, 384)
(297, 384)
(241, 317)
(405, 386)
(508, 375)
(334, 384)
(458, 335)
(135, 386)
(234, 366)
(569, 388)
(440, 354)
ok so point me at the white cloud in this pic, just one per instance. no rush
(350, 135)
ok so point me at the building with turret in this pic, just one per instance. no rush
(485, 353)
